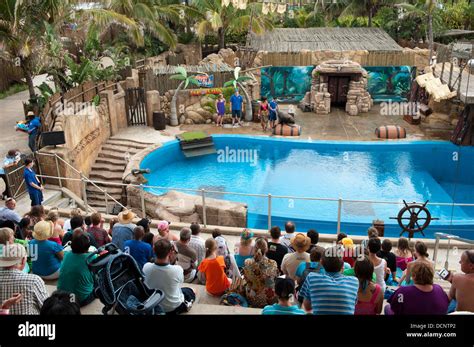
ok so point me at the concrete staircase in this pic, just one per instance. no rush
(109, 167)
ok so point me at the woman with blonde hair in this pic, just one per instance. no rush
(58, 232)
(48, 254)
(260, 274)
(212, 268)
(244, 249)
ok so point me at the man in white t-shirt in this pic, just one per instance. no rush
(300, 243)
(169, 279)
(285, 239)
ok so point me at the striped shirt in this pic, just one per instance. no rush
(277, 309)
(30, 286)
(331, 293)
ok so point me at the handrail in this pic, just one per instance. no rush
(448, 237)
(83, 177)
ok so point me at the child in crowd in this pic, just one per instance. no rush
(58, 231)
(391, 259)
(231, 268)
(74, 213)
(213, 268)
(370, 295)
(285, 290)
(404, 254)
(380, 265)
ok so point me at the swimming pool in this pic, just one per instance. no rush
(377, 171)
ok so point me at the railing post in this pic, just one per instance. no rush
(142, 196)
(446, 263)
(204, 217)
(339, 210)
(57, 170)
(269, 211)
(106, 201)
(436, 247)
(84, 193)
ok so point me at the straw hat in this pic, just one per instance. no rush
(126, 216)
(43, 230)
(11, 254)
(301, 242)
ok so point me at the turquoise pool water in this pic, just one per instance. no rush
(378, 171)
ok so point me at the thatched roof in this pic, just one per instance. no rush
(208, 68)
(324, 39)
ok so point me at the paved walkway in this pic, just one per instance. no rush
(11, 111)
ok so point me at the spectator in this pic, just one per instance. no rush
(276, 251)
(197, 243)
(88, 222)
(186, 257)
(11, 159)
(372, 232)
(97, 230)
(58, 232)
(123, 230)
(340, 237)
(314, 237)
(49, 254)
(141, 251)
(112, 222)
(380, 265)
(332, 292)
(391, 259)
(300, 243)
(236, 102)
(243, 249)
(13, 282)
(290, 233)
(421, 255)
(8, 212)
(23, 230)
(350, 255)
(168, 278)
(284, 289)
(422, 298)
(75, 222)
(164, 232)
(314, 265)
(67, 223)
(36, 214)
(231, 268)
(404, 253)
(370, 295)
(212, 268)
(260, 274)
(461, 292)
(60, 303)
(145, 223)
(33, 128)
(7, 237)
(75, 276)
(33, 184)
(148, 238)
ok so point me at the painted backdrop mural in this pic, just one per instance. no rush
(286, 83)
(390, 82)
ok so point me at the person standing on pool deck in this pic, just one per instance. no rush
(263, 113)
(236, 102)
(35, 189)
(33, 127)
(220, 108)
(273, 112)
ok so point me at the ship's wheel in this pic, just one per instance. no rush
(414, 218)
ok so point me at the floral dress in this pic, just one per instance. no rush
(260, 282)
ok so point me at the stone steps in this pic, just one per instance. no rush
(128, 143)
(111, 161)
(108, 175)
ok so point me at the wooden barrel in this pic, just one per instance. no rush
(391, 132)
(287, 130)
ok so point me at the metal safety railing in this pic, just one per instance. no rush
(449, 237)
(205, 193)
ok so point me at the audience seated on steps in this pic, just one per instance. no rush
(403, 253)
(186, 257)
(231, 269)
(197, 243)
(288, 236)
(461, 292)
(49, 254)
(168, 278)
(380, 265)
(67, 223)
(285, 291)
(420, 255)
(7, 236)
(276, 251)
(141, 251)
(212, 270)
(123, 230)
(8, 212)
(370, 295)
(391, 259)
(14, 281)
(60, 303)
(260, 274)
(97, 231)
(75, 276)
(421, 298)
(75, 223)
(164, 232)
(300, 243)
(244, 249)
(305, 268)
(314, 237)
(58, 223)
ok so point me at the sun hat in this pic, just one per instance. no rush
(43, 230)
(163, 225)
(347, 242)
(30, 113)
(246, 234)
(301, 242)
(126, 216)
(11, 254)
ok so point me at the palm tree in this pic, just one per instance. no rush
(182, 75)
(237, 81)
(365, 7)
(221, 19)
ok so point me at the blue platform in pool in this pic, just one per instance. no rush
(438, 171)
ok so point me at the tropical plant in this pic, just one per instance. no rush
(182, 75)
(364, 8)
(221, 19)
(237, 82)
